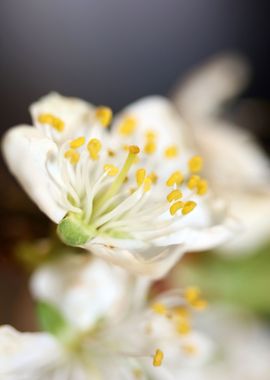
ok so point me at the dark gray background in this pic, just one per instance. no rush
(114, 51)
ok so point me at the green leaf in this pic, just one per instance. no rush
(51, 320)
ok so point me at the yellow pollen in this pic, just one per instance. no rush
(150, 135)
(128, 125)
(147, 184)
(193, 182)
(199, 304)
(150, 147)
(174, 195)
(175, 207)
(192, 293)
(153, 177)
(171, 151)
(175, 178)
(188, 207)
(159, 308)
(195, 164)
(181, 312)
(77, 143)
(183, 327)
(140, 176)
(111, 170)
(104, 115)
(53, 121)
(202, 187)
(94, 147)
(134, 149)
(158, 358)
(72, 156)
(190, 349)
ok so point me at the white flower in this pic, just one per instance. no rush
(131, 195)
(236, 167)
(118, 342)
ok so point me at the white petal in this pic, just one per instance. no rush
(75, 113)
(208, 86)
(85, 289)
(157, 114)
(26, 151)
(140, 263)
(25, 356)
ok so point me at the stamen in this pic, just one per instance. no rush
(111, 153)
(193, 182)
(183, 327)
(94, 147)
(72, 156)
(147, 184)
(140, 176)
(188, 207)
(127, 126)
(150, 147)
(158, 358)
(176, 178)
(192, 293)
(150, 135)
(195, 164)
(159, 308)
(77, 143)
(53, 121)
(171, 152)
(175, 207)
(153, 177)
(174, 195)
(111, 170)
(104, 115)
(119, 180)
(202, 187)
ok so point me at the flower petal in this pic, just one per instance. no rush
(26, 151)
(85, 289)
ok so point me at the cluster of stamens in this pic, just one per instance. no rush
(180, 317)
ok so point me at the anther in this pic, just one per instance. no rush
(188, 207)
(195, 164)
(171, 151)
(175, 178)
(140, 176)
(147, 184)
(77, 143)
(94, 147)
(104, 115)
(159, 308)
(72, 156)
(111, 170)
(53, 121)
(174, 195)
(158, 358)
(127, 125)
(175, 207)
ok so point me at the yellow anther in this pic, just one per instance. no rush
(72, 156)
(53, 121)
(202, 187)
(199, 304)
(158, 358)
(192, 293)
(175, 178)
(175, 207)
(150, 147)
(147, 184)
(190, 349)
(188, 207)
(104, 115)
(159, 308)
(94, 147)
(111, 153)
(111, 170)
(134, 149)
(127, 125)
(77, 143)
(153, 177)
(174, 195)
(183, 327)
(181, 312)
(140, 176)
(171, 151)
(193, 182)
(195, 164)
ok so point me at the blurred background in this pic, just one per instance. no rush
(112, 52)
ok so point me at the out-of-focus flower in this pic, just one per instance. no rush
(234, 164)
(118, 334)
(132, 194)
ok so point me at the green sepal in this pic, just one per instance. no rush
(72, 231)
